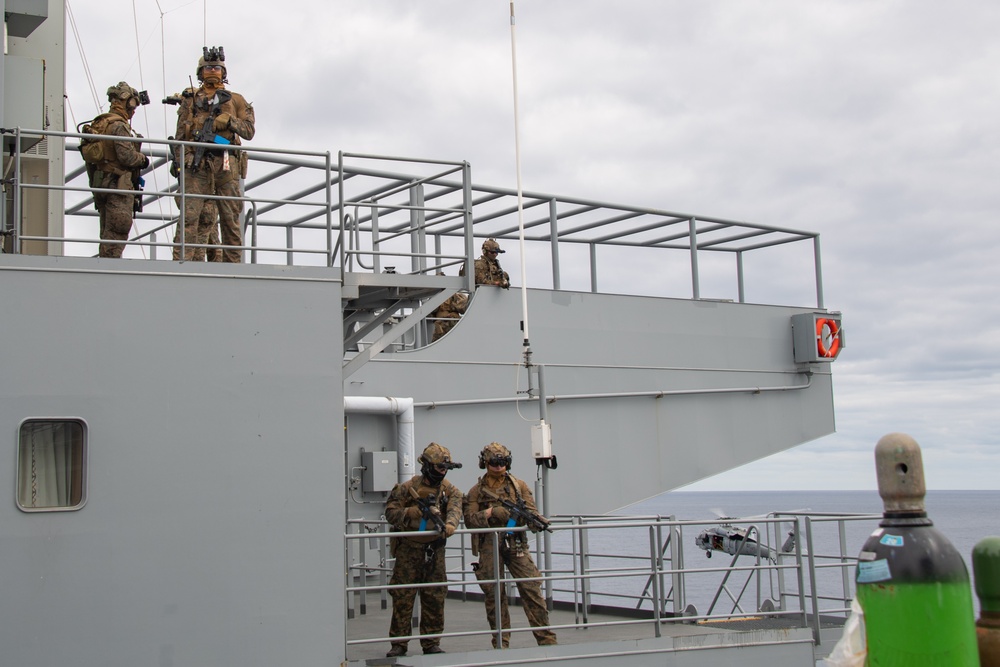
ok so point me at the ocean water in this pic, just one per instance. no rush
(964, 517)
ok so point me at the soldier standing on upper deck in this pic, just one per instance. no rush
(119, 167)
(488, 270)
(219, 118)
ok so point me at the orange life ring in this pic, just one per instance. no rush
(821, 347)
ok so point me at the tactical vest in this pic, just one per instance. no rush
(100, 153)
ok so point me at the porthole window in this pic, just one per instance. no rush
(51, 465)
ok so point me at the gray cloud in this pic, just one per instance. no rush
(872, 123)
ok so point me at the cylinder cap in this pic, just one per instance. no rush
(900, 471)
(986, 567)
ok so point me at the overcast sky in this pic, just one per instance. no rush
(874, 123)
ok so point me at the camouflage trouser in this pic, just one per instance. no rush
(208, 233)
(519, 563)
(413, 568)
(116, 216)
(210, 179)
(441, 327)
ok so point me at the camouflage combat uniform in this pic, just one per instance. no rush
(116, 210)
(208, 233)
(220, 169)
(514, 553)
(419, 559)
(489, 272)
(450, 311)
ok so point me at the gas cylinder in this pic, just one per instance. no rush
(912, 584)
(986, 568)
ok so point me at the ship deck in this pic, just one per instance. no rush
(604, 634)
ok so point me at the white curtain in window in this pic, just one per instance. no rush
(46, 464)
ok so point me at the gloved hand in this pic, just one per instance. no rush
(145, 161)
(501, 514)
(221, 122)
(449, 530)
(412, 513)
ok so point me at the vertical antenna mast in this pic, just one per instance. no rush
(520, 197)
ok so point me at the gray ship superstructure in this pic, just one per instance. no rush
(199, 453)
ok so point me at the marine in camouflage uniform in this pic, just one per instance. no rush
(119, 170)
(448, 314)
(220, 169)
(488, 270)
(484, 510)
(421, 559)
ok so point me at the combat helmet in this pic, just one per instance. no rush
(122, 93)
(495, 454)
(212, 56)
(433, 457)
(435, 454)
(491, 245)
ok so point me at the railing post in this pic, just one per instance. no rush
(329, 210)
(739, 277)
(677, 564)
(340, 214)
(813, 593)
(181, 190)
(584, 569)
(655, 578)
(554, 242)
(693, 239)
(470, 267)
(418, 236)
(819, 273)
(593, 268)
(577, 569)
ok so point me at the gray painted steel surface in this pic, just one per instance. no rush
(600, 344)
(212, 532)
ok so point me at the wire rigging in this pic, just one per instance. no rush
(83, 61)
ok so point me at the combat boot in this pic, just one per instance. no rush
(396, 651)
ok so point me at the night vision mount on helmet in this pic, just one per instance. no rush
(124, 92)
(496, 455)
(215, 55)
(433, 459)
(491, 245)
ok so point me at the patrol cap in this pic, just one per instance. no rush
(491, 245)
(495, 454)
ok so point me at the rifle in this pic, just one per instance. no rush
(138, 182)
(207, 132)
(520, 512)
(429, 510)
(177, 98)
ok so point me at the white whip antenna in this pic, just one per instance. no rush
(520, 197)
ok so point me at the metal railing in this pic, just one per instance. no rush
(634, 569)
(314, 208)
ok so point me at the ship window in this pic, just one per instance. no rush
(51, 465)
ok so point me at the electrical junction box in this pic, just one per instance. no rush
(541, 441)
(817, 337)
(380, 471)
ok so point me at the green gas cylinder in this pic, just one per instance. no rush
(912, 584)
(986, 568)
